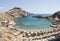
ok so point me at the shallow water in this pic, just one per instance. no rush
(30, 22)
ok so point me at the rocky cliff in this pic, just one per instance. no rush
(16, 11)
(7, 18)
(55, 18)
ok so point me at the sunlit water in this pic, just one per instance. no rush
(30, 22)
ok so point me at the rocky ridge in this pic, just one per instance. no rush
(54, 18)
(16, 11)
(9, 16)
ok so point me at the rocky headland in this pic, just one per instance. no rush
(16, 11)
(54, 18)
(7, 23)
(9, 33)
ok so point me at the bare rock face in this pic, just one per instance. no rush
(56, 14)
(5, 17)
(55, 18)
(16, 11)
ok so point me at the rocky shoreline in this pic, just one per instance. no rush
(54, 18)
(14, 34)
(9, 33)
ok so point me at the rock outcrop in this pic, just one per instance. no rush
(55, 18)
(7, 18)
(7, 30)
(16, 12)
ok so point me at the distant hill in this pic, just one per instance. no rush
(14, 12)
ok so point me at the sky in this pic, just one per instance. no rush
(32, 6)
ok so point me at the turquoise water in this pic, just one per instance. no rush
(30, 22)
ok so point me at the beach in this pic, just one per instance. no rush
(29, 28)
(15, 34)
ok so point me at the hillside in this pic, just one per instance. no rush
(14, 12)
(55, 18)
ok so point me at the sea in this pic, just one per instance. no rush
(30, 22)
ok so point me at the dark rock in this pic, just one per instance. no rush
(38, 16)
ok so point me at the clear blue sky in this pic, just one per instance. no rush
(33, 6)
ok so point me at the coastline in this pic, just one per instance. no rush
(30, 35)
(43, 31)
(9, 33)
(40, 30)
